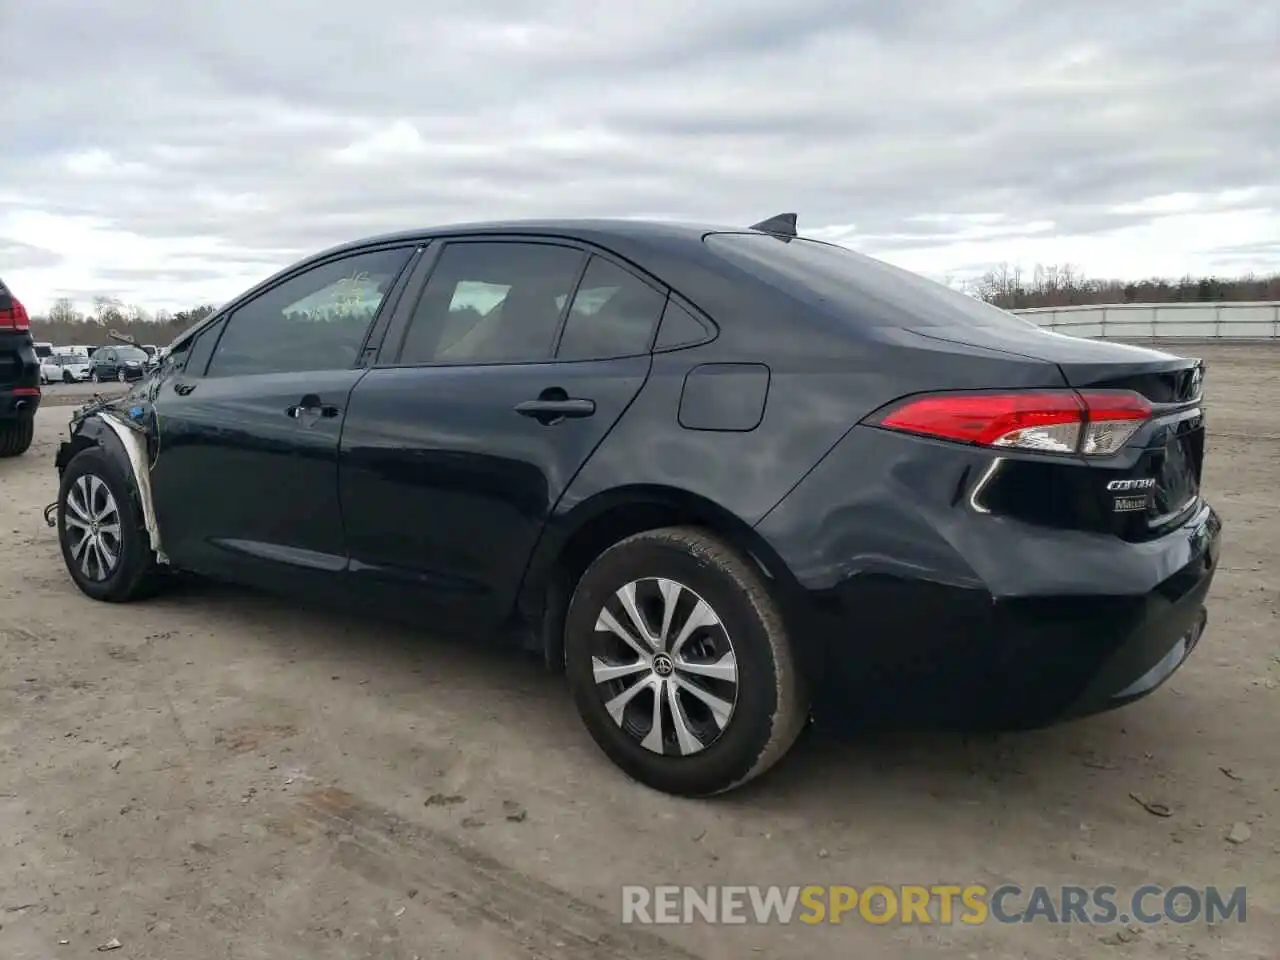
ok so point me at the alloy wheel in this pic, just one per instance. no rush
(92, 520)
(664, 666)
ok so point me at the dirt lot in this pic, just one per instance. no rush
(217, 774)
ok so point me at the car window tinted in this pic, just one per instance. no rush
(192, 357)
(859, 286)
(316, 320)
(492, 302)
(679, 328)
(613, 314)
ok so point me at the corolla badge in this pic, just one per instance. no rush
(1145, 483)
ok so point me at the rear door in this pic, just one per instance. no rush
(491, 391)
(104, 363)
(250, 411)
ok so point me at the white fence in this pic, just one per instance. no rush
(1257, 320)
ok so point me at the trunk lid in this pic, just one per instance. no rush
(1154, 481)
(1160, 377)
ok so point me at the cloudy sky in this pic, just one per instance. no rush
(171, 153)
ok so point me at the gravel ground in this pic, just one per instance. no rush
(217, 774)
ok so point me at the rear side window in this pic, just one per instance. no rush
(613, 315)
(680, 328)
(857, 285)
(492, 302)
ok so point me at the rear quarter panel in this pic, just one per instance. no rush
(826, 371)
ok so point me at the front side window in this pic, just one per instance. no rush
(192, 355)
(316, 320)
(492, 302)
(613, 314)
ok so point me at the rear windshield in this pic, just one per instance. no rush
(856, 285)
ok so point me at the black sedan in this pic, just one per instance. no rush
(726, 479)
(120, 362)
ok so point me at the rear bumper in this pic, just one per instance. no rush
(20, 404)
(911, 608)
(898, 652)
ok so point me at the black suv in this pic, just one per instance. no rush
(19, 377)
(118, 362)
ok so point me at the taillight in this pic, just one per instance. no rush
(14, 316)
(1095, 423)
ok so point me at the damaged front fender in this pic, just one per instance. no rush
(124, 439)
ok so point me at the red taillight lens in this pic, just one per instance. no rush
(14, 316)
(1096, 423)
(1114, 417)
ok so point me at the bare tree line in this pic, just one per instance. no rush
(1007, 285)
(65, 324)
(1010, 287)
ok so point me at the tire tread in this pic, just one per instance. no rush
(145, 575)
(790, 713)
(16, 436)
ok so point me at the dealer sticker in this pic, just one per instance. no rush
(1130, 504)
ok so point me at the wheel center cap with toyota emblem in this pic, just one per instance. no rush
(663, 666)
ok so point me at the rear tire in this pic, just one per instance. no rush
(732, 701)
(16, 436)
(104, 540)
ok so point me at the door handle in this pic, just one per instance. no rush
(311, 407)
(182, 388)
(549, 411)
(325, 410)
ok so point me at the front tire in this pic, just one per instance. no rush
(16, 436)
(101, 530)
(680, 664)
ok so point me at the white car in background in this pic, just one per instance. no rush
(64, 368)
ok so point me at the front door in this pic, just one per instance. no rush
(459, 444)
(246, 478)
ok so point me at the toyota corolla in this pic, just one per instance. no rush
(728, 480)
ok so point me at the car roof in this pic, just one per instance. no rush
(600, 230)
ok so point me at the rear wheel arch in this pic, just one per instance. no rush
(572, 542)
